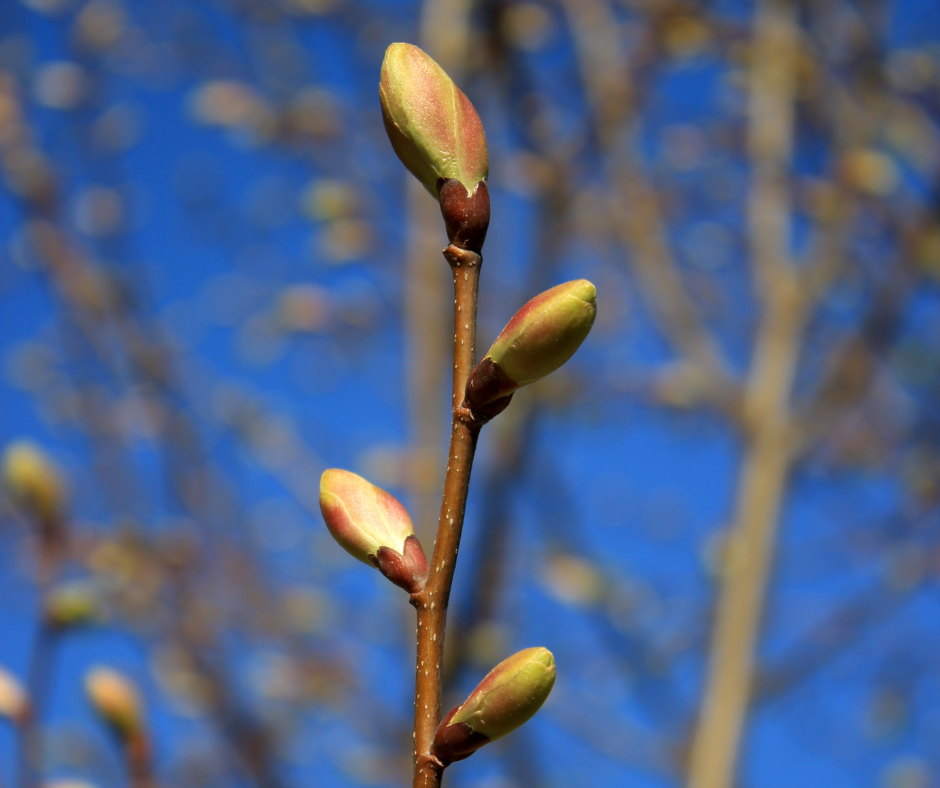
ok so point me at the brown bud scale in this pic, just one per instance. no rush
(454, 742)
(466, 216)
(409, 570)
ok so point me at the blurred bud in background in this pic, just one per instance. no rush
(14, 704)
(116, 700)
(33, 482)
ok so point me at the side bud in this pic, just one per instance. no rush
(371, 525)
(14, 703)
(541, 337)
(116, 701)
(438, 136)
(509, 695)
(33, 482)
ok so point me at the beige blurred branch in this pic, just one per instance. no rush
(769, 453)
(635, 204)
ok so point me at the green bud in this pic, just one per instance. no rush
(33, 482)
(506, 698)
(73, 604)
(431, 124)
(371, 525)
(541, 337)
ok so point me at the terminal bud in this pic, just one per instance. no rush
(431, 124)
(371, 525)
(506, 698)
(541, 337)
(438, 136)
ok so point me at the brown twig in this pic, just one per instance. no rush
(138, 761)
(431, 602)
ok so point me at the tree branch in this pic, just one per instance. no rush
(431, 603)
(769, 452)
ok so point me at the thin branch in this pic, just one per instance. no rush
(431, 603)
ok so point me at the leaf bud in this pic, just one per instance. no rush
(116, 700)
(438, 136)
(371, 525)
(14, 702)
(506, 698)
(431, 124)
(33, 482)
(541, 337)
(73, 605)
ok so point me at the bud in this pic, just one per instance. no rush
(431, 124)
(116, 701)
(541, 337)
(371, 525)
(438, 136)
(509, 695)
(73, 605)
(14, 704)
(33, 482)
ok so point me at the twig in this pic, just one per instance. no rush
(431, 602)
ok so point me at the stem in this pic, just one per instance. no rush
(138, 760)
(431, 602)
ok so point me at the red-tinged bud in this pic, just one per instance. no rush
(506, 698)
(116, 701)
(432, 125)
(541, 337)
(438, 136)
(371, 525)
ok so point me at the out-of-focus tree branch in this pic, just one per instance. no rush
(769, 453)
(634, 203)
